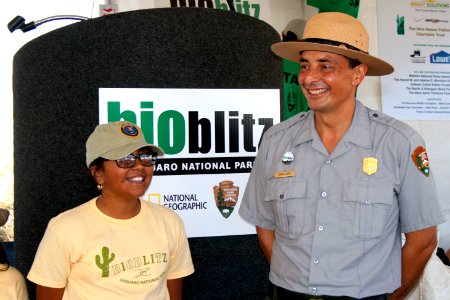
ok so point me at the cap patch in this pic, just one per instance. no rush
(129, 130)
(420, 159)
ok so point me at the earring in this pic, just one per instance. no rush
(100, 187)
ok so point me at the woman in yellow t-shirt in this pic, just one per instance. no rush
(115, 246)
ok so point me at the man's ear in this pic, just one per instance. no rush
(359, 74)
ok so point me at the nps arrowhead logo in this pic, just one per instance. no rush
(226, 196)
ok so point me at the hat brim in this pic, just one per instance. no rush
(126, 149)
(292, 50)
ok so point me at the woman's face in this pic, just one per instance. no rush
(124, 183)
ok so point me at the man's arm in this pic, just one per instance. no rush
(416, 252)
(175, 287)
(266, 238)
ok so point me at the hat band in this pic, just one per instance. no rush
(332, 43)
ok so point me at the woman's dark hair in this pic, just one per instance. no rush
(3, 258)
(97, 164)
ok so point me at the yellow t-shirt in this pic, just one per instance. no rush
(12, 284)
(95, 256)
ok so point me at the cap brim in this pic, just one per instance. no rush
(292, 50)
(126, 149)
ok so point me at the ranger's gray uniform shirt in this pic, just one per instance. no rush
(337, 219)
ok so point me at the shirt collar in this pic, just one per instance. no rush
(358, 133)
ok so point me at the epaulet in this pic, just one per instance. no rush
(384, 119)
(283, 125)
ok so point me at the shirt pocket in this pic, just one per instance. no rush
(287, 198)
(365, 209)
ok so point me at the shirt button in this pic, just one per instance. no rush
(367, 201)
(314, 290)
(316, 261)
(282, 196)
(324, 194)
(328, 162)
(320, 228)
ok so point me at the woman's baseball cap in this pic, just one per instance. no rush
(337, 33)
(116, 140)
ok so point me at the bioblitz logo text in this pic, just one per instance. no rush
(171, 128)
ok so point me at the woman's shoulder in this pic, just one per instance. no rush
(159, 208)
(12, 273)
(161, 212)
(73, 215)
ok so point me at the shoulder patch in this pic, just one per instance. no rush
(420, 159)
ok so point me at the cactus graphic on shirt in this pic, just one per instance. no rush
(106, 261)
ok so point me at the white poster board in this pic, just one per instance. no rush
(210, 137)
(414, 36)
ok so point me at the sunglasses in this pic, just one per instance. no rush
(147, 160)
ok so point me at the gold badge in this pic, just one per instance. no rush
(370, 165)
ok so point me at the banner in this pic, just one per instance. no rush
(294, 100)
(259, 9)
(210, 137)
(414, 36)
(350, 7)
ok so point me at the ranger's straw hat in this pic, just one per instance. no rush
(337, 33)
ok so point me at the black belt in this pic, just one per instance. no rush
(279, 293)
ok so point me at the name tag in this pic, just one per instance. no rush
(284, 174)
